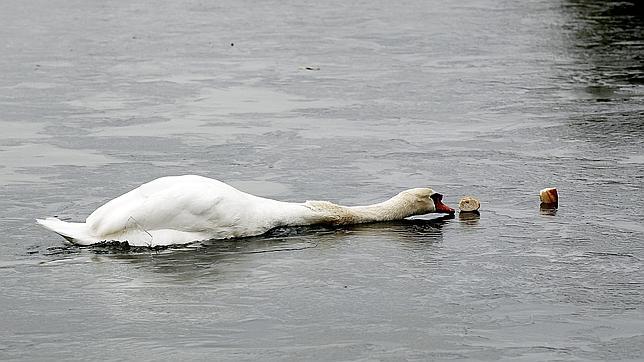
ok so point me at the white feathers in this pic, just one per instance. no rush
(184, 209)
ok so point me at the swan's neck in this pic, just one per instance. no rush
(273, 213)
(396, 208)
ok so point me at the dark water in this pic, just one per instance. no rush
(496, 99)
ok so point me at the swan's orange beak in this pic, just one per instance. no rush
(440, 206)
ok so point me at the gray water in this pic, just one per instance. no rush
(345, 101)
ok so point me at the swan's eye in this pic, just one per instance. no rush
(436, 197)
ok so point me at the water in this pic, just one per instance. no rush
(496, 99)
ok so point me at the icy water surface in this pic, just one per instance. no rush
(349, 102)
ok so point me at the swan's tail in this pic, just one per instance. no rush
(74, 232)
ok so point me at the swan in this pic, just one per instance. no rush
(184, 209)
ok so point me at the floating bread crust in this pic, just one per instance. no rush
(469, 204)
(549, 195)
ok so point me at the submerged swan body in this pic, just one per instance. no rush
(183, 209)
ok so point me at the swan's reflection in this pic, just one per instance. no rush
(214, 259)
(281, 239)
(413, 229)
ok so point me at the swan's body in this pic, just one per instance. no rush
(184, 209)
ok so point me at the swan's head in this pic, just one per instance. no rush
(426, 201)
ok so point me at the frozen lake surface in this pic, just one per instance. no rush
(348, 102)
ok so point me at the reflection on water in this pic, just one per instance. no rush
(283, 239)
(607, 39)
(469, 218)
(608, 36)
(548, 209)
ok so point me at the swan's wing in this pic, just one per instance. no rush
(177, 203)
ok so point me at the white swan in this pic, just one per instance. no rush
(184, 209)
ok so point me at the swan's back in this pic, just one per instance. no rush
(184, 203)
